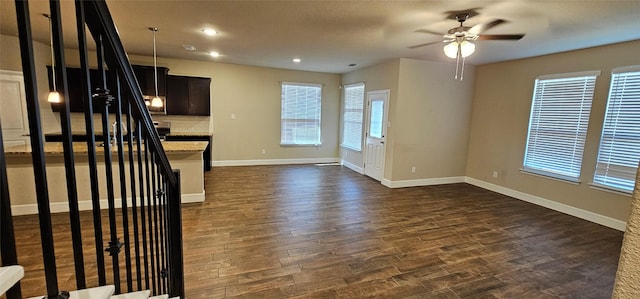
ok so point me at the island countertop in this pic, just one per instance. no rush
(55, 148)
(99, 133)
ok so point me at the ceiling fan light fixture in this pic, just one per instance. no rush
(451, 49)
(467, 48)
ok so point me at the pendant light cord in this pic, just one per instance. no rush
(53, 61)
(155, 61)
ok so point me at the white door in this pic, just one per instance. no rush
(13, 111)
(377, 106)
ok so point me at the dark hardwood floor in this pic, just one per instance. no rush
(327, 232)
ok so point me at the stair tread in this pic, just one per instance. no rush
(133, 295)
(9, 276)
(104, 292)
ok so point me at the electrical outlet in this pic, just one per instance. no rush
(233, 116)
(264, 151)
(413, 169)
(495, 174)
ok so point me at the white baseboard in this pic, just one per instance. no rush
(550, 204)
(352, 166)
(422, 182)
(85, 205)
(273, 162)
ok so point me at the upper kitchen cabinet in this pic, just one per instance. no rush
(144, 75)
(146, 80)
(188, 95)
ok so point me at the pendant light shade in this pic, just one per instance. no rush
(156, 102)
(54, 95)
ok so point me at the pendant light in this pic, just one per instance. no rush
(156, 101)
(54, 96)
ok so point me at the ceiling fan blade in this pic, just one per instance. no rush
(500, 36)
(477, 29)
(422, 45)
(429, 31)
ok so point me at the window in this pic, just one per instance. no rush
(558, 124)
(300, 115)
(619, 150)
(352, 116)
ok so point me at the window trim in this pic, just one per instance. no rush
(344, 103)
(318, 85)
(582, 133)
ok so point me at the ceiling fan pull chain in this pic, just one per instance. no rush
(457, 63)
(462, 69)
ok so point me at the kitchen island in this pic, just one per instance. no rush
(187, 156)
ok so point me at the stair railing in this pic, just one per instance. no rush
(150, 221)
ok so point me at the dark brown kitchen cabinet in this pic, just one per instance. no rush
(144, 75)
(188, 95)
(146, 79)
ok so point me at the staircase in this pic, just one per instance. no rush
(11, 275)
(145, 245)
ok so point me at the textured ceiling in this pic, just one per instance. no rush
(330, 35)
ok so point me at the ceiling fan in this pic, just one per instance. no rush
(459, 39)
(466, 33)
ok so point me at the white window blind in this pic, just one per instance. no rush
(352, 116)
(619, 150)
(558, 124)
(300, 114)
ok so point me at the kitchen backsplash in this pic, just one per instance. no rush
(179, 123)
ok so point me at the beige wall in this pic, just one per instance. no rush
(429, 113)
(10, 59)
(431, 121)
(252, 94)
(378, 77)
(501, 107)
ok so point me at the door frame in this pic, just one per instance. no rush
(385, 120)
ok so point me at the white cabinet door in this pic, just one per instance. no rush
(13, 111)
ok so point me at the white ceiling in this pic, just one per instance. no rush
(329, 35)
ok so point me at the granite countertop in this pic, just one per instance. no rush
(55, 148)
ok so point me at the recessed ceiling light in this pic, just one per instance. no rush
(209, 31)
(189, 47)
(297, 60)
(214, 54)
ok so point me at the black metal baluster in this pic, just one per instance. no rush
(134, 207)
(69, 164)
(37, 149)
(141, 136)
(91, 141)
(176, 266)
(149, 214)
(155, 219)
(103, 95)
(162, 215)
(8, 254)
(123, 181)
